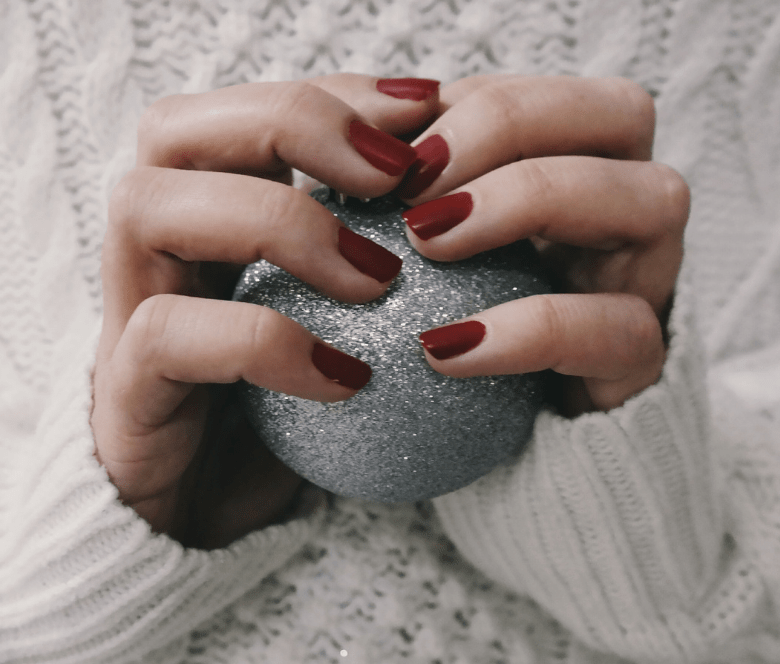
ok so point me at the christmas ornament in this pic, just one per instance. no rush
(411, 433)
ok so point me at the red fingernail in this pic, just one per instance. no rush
(367, 256)
(416, 89)
(383, 151)
(439, 215)
(432, 156)
(446, 342)
(340, 367)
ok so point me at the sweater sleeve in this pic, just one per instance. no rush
(83, 578)
(611, 521)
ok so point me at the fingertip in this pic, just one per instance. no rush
(383, 151)
(368, 257)
(398, 106)
(405, 107)
(440, 215)
(415, 89)
(431, 158)
(339, 367)
(444, 343)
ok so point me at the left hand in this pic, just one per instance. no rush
(209, 194)
(566, 162)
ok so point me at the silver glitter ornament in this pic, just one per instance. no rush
(411, 433)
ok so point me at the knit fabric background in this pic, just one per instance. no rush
(81, 578)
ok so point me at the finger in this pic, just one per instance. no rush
(583, 201)
(266, 128)
(164, 221)
(172, 343)
(395, 105)
(456, 91)
(522, 118)
(153, 406)
(614, 341)
(633, 214)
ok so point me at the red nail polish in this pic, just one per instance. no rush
(340, 367)
(416, 89)
(367, 256)
(439, 215)
(432, 156)
(451, 340)
(383, 151)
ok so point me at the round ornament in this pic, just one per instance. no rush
(411, 433)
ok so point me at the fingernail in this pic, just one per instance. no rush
(416, 89)
(451, 340)
(432, 156)
(439, 215)
(367, 256)
(383, 151)
(340, 367)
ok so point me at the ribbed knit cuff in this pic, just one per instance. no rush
(82, 578)
(610, 520)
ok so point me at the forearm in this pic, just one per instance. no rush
(611, 520)
(82, 573)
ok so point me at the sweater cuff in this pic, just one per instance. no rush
(83, 578)
(610, 520)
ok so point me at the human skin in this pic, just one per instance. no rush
(564, 161)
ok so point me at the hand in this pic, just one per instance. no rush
(210, 193)
(565, 162)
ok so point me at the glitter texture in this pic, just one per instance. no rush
(411, 433)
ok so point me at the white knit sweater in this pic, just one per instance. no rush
(650, 533)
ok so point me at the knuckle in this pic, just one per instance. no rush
(641, 335)
(122, 201)
(279, 204)
(266, 329)
(639, 100)
(155, 124)
(154, 127)
(298, 96)
(551, 322)
(295, 102)
(639, 111)
(146, 330)
(676, 195)
(535, 181)
(501, 101)
(132, 197)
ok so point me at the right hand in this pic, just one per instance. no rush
(211, 193)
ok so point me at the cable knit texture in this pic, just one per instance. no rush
(647, 534)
